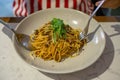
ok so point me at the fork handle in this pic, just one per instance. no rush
(97, 9)
(87, 26)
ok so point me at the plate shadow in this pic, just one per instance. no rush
(93, 71)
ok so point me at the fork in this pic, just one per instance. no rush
(83, 34)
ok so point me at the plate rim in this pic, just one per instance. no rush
(56, 72)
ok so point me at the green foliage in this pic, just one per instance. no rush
(58, 29)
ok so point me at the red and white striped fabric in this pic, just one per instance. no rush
(26, 7)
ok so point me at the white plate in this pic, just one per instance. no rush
(92, 51)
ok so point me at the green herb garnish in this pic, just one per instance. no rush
(58, 29)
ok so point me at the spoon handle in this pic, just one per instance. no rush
(7, 26)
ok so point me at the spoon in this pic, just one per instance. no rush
(83, 34)
(22, 39)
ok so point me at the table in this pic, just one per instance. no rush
(98, 18)
(107, 67)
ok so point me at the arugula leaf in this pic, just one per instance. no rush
(58, 29)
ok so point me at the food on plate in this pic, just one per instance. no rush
(56, 41)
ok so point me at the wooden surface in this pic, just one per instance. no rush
(98, 18)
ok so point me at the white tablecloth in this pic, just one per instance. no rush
(107, 67)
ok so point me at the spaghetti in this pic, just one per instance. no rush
(47, 49)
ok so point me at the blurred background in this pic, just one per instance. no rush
(6, 10)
